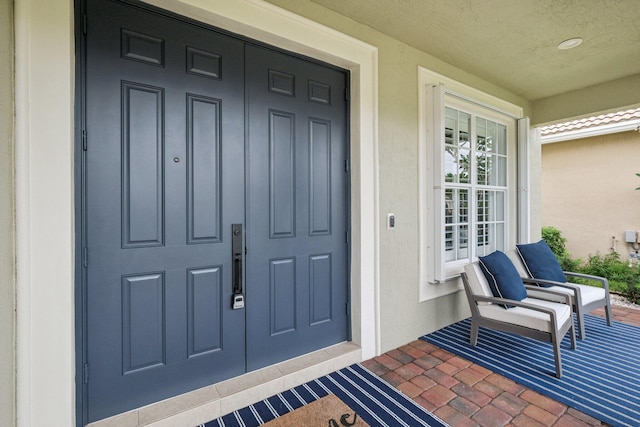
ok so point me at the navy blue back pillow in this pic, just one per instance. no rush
(540, 261)
(503, 278)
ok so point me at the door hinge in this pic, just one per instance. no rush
(347, 93)
(84, 140)
(84, 24)
(85, 373)
(348, 237)
(85, 257)
(347, 166)
(348, 305)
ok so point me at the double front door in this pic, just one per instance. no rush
(215, 207)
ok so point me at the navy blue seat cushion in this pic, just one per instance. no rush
(503, 278)
(540, 262)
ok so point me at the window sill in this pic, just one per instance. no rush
(431, 291)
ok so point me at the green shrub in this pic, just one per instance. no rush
(556, 242)
(554, 239)
(623, 278)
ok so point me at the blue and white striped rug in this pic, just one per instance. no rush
(600, 378)
(375, 401)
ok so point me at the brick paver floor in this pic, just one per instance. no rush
(465, 394)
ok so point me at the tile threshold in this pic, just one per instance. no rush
(205, 404)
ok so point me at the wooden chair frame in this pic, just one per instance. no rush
(558, 331)
(579, 307)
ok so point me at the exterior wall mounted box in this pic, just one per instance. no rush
(630, 236)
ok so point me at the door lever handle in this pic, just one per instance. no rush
(236, 269)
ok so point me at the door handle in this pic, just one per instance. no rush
(236, 269)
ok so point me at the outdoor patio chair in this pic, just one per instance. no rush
(584, 298)
(535, 318)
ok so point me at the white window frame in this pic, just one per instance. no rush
(454, 267)
(436, 277)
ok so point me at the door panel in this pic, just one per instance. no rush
(204, 213)
(142, 162)
(165, 119)
(297, 275)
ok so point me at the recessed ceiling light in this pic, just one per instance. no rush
(570, 44)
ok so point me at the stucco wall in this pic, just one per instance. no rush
(7, 260)
(588, 191)
(591, 100)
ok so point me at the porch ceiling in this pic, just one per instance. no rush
(513, 43)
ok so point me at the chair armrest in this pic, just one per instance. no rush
(603, 280)
(566, 297)
(515, 303)
(573, 286)
(549, 311)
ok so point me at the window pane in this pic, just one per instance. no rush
(450, 114)
(464, 125)
(502, 139)
(481, 238)
(491, 136)
(448, 244)
(493, 169)
(451, 145)
(481, 248)
(463, 206)
(502, 171)
(481, 134)
(481, 149)
(463, 242)
(491, 208)
(450, 167)
(457, 223)
(457, 146)
(448, 206)
(481, 168)
(499, 237)
(464, 168)
(485, 207)
(500, 206)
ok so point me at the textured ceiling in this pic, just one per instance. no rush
(512, 43)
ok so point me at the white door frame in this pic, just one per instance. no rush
(45, 190)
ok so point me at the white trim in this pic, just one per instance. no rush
(432, 198)
(426, 76)
(524, 195)
(45, 61)
(480, 104)
(591, 131)
(44, 99)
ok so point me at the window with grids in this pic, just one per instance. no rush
(475, 185)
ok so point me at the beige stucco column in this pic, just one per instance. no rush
(7, 219)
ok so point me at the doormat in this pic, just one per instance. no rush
(375, 402)
(328, 411)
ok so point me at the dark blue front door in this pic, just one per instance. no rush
(190, 131)
(296, 207)
(165, 181)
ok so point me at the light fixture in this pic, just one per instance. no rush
(570, 44)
